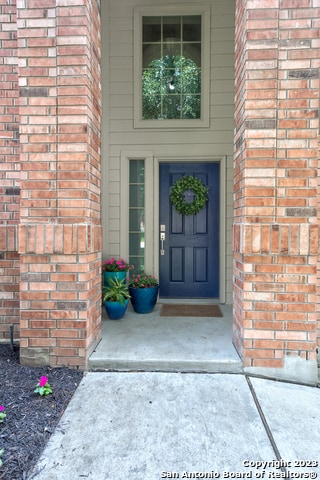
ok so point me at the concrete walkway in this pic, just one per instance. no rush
(171, 401)
(153, 425)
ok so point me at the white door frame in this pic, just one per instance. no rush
(152, 231)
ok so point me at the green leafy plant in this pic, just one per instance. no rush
(114, 265)
(1, 453)
(177, 195)
(2, 414)
(117, 292)
(143, 280)
(43, 387)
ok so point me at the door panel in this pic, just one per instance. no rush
(189, 267)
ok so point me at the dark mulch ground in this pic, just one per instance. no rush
(31, 419)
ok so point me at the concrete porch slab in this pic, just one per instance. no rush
(149, 342)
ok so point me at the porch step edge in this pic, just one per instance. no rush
(163, 366)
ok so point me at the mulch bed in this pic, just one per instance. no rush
(31, 419)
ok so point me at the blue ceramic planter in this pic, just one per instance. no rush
(116, 310)
(143, 300)
(107, 276)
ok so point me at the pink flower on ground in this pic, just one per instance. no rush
(43, 381)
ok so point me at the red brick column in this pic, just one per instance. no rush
(9, 172)
(275, 190)
(60, 232)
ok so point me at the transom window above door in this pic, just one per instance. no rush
(171, 74)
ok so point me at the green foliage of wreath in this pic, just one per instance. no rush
(177, 195)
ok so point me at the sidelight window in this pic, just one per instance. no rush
(137, 214)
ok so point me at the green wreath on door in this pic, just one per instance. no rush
(178, 200)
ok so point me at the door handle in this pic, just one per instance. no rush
(162, 239)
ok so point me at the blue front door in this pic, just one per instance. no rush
(189, 251)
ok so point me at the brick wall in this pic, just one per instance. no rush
(9, 172)
(59, 233)
(275, 189)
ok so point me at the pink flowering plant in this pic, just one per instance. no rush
(43, 387)
(142, 280)
(2, 414)
(114, 265)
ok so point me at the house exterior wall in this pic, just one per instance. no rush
(50, 232)
(120, 135)
(57, 62)
(276, 227)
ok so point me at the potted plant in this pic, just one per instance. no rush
(143, 290)
(114, 268)
(116, 298)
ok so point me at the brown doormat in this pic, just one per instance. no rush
(176, 310)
